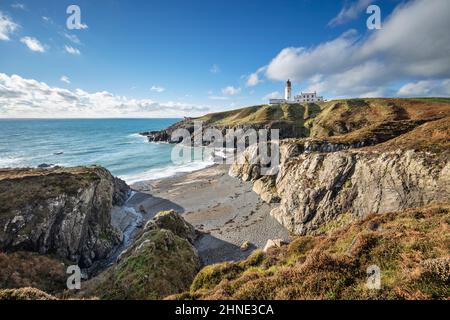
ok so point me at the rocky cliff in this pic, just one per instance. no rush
(349, 167)
(160, 262)
(317, 188)
(290, 120)
(65, 212)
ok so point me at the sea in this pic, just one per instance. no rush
(112, 143)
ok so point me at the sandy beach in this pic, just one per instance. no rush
(225, 209)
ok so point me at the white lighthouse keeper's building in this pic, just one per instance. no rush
(308, 97)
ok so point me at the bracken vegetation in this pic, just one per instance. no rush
(161, 262)
(260, 115)
(411, 248)
(28, 269)
(24, 294)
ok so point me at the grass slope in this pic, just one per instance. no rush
(411, 248)
(261, 114)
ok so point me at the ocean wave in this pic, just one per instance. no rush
(223, 153)
(167, 172)
(12, 162)
(137, 135)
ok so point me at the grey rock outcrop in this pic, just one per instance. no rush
(316, 188)
(286, 130)
(173, 221)
(162, 261)
(65, 212)
(319, 180)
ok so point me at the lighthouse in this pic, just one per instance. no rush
(288, 91)
(308, 97)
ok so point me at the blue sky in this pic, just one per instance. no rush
(157, 58)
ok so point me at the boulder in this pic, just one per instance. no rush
(266, 189)
(271, 243)
(245, 245)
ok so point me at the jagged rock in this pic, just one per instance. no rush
(266, 189)
(247, 165)
(121, 255)
(386, 166)
(158, 264)
(45, 165)
(150, 225)
(271, 243)
(65, 212)
(253, 163)
(287, 127)
(173, 221)
(245, 245)
(319, 187)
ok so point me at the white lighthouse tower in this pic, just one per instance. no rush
(288, 91)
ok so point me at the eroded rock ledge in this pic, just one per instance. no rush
(162, 261)
(320, 181)
(65, 212)
(317, 188)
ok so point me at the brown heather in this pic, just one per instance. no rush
(410, 247)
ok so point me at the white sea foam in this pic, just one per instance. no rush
(12, 162)
(138, 137)
(167, 172)
(224, 153)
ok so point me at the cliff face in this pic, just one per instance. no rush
(385, 166)
(65, 212)
(288, 119)
(160, 262)
(317, 188)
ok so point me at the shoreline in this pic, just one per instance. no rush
(224, 209)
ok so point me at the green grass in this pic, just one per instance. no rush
(334, 266)
(433, 99)
(261, 114)
(160, 263)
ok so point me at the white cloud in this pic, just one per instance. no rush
(413, 44)
(21, 97)
(72, 37)
(7, 26)
(215, 69)
(33, 44)
(350, 12)
(300, 63)
(47, 19)
(426, 88)
(72, 50)
(218, 98)
(158, 89)
(253, 79)
(65, 79)
(272, 95)
(231, 91)
(17, 5)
